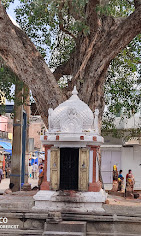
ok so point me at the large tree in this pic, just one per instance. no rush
(96, 39)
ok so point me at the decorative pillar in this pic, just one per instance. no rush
(45, 183)
(95, 186)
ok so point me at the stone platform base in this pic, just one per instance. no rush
(70, 201)
(65, 228)
(117, 223)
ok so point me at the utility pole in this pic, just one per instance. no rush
(23, 147)
(15, 176)
(27, 110)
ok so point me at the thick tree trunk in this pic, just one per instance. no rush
(93, 54)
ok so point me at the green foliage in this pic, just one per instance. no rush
(117, 8)
(6, 3)
(123, 81)
(61, 50)
(123, 86)
(41, 20)
(7, 80)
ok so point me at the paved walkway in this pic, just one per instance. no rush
(5, 183)
(23, 201)
(115, 204)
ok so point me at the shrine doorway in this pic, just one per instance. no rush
(69, 159)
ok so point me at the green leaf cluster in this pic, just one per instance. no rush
(7, 80)
(41, 20)
(122, 88)
(117, 8)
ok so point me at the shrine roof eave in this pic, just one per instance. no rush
(72, 144)
(79, 140)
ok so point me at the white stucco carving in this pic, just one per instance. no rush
(73, 123)
(76, 114)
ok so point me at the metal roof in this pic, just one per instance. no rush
(7, 147)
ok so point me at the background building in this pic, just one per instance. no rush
(124, 152)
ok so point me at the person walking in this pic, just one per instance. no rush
(36, 170)
(33, 171)
(41, 176)
(1, 174)
(30, 171)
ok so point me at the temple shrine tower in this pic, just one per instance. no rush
(71, 171)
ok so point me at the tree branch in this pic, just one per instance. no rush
(73, 12)
(92, 16)
(22, 57)
(122, 34)
(61, 26)
(137, 3)
(64, 69)
(66, 31)
(87, 57)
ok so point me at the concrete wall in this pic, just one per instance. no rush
(125, 123)
(37, 223)
(130, 159)
(3, 123)
(35, 126)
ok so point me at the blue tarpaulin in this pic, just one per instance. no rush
(34, 160)
(7, 146)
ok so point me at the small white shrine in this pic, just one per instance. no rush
(71, 172)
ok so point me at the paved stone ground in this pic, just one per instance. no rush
(24, 200)
(5, 184)
(120, 213)
(123, 206)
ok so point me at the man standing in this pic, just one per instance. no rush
(36, 169)
(1, 174)
(33, 171)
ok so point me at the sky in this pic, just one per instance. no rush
(10, 11)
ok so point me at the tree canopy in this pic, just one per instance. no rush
(95, 42)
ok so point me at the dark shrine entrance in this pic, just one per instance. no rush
(69, 168)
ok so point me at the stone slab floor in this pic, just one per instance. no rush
(5, 183)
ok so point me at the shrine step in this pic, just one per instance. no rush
(65, 228)
(48, 233)
(17, 232)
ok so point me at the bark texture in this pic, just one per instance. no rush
(22, 57)
(88, 63)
